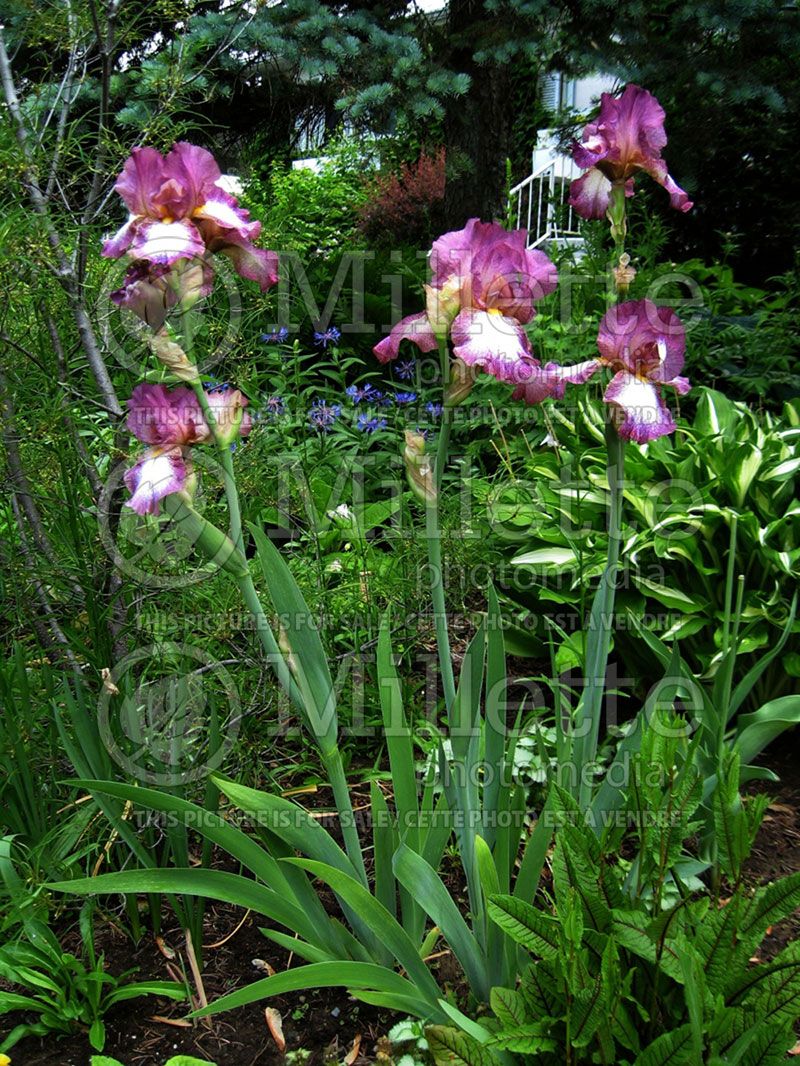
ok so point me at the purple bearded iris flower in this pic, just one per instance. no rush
(483, 288)
(627, 137)
(644, 346)
(169, 420)
(179, 213)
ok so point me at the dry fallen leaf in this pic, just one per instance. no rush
(164, 948)
(352, 1055)
(275, 1026)
(181, 1023)
(264, 967)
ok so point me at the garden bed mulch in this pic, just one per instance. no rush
(327, 1024)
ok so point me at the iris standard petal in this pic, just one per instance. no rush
(190, 174)
(643, 338)
(161, 416)
(140, 181)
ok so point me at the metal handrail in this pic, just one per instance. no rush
(541, 224)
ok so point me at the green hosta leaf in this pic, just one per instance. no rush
(783, 470)
(715, 413)
(548, 559)
(535, 930)
(758, 729)
(741, 468)
(451, 1047)
(670, 597)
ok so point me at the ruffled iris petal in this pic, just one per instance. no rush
(550, 381)
(117, 245)
(590, 194)
(167, 242)
(493, 342)
(156, 475)
(255, 264)
(643, 414)
(219, 216)
(414, 328)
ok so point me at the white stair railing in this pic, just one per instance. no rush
(538, 203)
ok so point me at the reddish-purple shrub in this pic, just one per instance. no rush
(406, 207)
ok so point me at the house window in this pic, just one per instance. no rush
(557, 91)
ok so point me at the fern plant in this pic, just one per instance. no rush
(630, 962)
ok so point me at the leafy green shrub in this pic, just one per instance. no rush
(726, 481)
(313, 212)
(629, 962)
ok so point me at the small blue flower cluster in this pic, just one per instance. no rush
(370, 425)
(322, 415)
(278, 336)
(331, 335)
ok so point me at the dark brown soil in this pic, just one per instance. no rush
(776, 852)
(325, 1022)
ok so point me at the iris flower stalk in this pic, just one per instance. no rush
(179, 218)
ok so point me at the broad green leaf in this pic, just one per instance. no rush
(671, 1049)
(509, 1006)
(339, 974)
(548, 559)
(715, 413)
(670, 597)
(758, 729)
(535, 930)
(212, 884)
(451, 1047)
